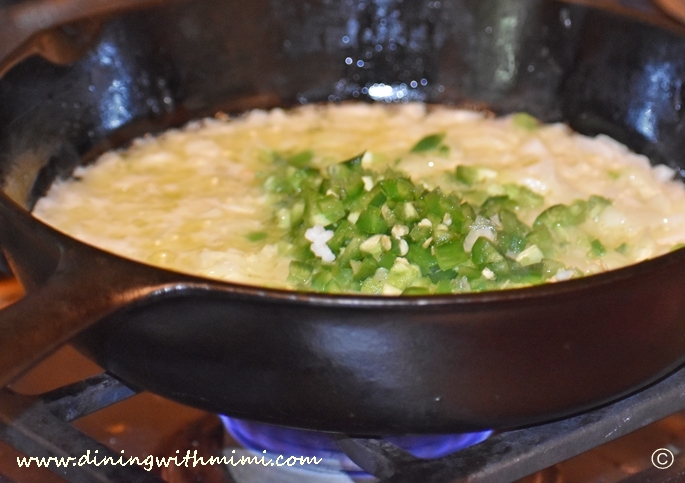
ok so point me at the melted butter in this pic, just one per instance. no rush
(188, 199)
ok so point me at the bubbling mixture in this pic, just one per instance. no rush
(375, 199)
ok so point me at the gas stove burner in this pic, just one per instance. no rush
(278, 440)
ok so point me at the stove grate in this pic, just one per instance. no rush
(40, 426)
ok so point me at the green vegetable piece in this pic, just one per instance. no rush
(450, 254)
(485, 255)
(467, 175)
(343, 277)
(524, 197)
(373, 246)
(675, 247)
(387, 260)
(428, 143)
(255, 236)
(514, 232)
(406, 212)
(354, 162)
(301, 178)
(402, 274)
(365, 269)
(433, 204)
(343, 233)
(528, 275)
(422, 258)
(300, 160)
(563, 215)
(416, 291)
(443, 287)
(332, 208)
(321, 279)
(511, 223)
(596, 205)
(470, 273)
(398, 189)
(443, 275)
(345, 181)
(333, 287)
(297, 213)
(530, 256)
(299, 274)
(551, 267)
(597, 250)
(371, 221)
(495, 204)
(471, 175)
(623, 248)
(525, 121)
(374, 285)
(350, 252)
(420, 233)
(277, 183)
(469, 216)
(442, 234)
(542, 237)
(510, 242)
(379, 197)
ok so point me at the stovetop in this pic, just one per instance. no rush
(145, 424)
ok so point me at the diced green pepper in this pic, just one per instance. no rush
(371, 221)
(342, 234)
(495, 204)
(299, 273)
(485, 255)
(596, 204)
(542, 237)
(365, 269)
(402, 274)
(525, 121)
(255, 236)
(374, 285)
(450, 254)
(398, 189)
(321, 279)
(331, 208)
(563, 215)
(422, 258)
(597, 250)
(524, 197)
(300, 160)
(428, 143)
(471, 175)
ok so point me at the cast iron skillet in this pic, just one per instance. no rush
(362, 365)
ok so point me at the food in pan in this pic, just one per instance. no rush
(374, 199)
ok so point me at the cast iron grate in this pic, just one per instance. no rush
(40, 426)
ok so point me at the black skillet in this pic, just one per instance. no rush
(362, 365)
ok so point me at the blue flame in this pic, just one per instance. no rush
(261, 437)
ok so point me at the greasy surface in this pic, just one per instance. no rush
(189, 199)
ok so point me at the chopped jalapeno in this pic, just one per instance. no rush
(428, 143)
(390, 235)
(525, 121)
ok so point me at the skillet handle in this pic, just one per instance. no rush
(34, 27)
(69, 286)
